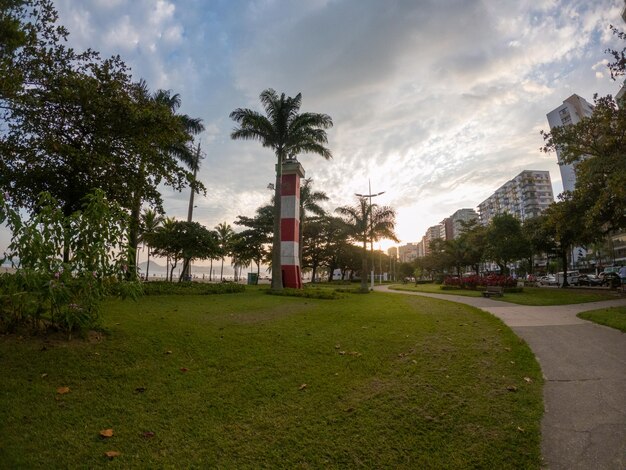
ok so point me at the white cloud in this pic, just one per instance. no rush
(437, 102)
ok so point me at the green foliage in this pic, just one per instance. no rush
(309, 293)
(65, 265)
(505, 241)
(191, 288)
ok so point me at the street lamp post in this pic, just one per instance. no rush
(370, 196)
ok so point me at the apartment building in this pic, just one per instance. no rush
(452, 225)
(570, 112)
(408, 252)
(525, 196)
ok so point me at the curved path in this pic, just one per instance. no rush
(584, 366)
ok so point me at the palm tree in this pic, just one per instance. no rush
(168, 225)
(150, 223)
(288, 133)
(194, 165)
(365, 222)
(179, 148)
(225, 236)
(309, 203)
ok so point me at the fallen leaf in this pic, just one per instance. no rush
(414, 361)
(349, 410)
(183, 369)
(520, 429)
(337, 346)
(512, 388)
(148, 434)
(63, 390)
(354, 353)
(341, 353)
(528, 379)
(106, 433)
(111, 454)
(302, 387)
(507, 349)
(43, 376)
(140, 389)
(168, 352)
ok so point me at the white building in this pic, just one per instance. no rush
(570, 112)
(453, 225)
(525, 196)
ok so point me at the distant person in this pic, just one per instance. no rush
(622, 274)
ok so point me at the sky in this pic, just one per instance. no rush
(436, 102)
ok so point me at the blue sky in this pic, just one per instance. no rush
(437, 102)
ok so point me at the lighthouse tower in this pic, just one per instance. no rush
(290, 223)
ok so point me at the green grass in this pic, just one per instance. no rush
(391, 382)
(614, 317)
(530, 295)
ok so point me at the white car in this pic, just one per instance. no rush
(549, 280)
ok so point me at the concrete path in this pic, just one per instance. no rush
(584, 366)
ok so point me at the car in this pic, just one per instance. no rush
(549, 280)
(610, 279)
(588, 280)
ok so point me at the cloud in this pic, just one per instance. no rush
(437, 102)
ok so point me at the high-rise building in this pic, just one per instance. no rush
(407, 253)
(452, 225)
(570, 112)
(525, 196)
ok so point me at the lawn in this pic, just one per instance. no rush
(614, 317)
(257, 381)
(530, 295)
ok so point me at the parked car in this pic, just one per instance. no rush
(610, 279)
(549, 280)
(588, 280)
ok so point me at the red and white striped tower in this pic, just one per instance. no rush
(290, 223)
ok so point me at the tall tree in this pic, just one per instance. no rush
(225, 236)
(562, 224)
(288, 133)
(150, 222)
(76, 122)
(365, 222)
(505, 241)
(183, 240)
(309, 204)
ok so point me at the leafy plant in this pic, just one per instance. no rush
(65, 265)
(191, 288)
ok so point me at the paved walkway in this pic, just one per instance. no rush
(584, 366)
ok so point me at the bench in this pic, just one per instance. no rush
(493, 290)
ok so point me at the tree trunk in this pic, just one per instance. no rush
(277, 271)
(148, 265)
(185, 270)
(222, 270)
(564, 258)
(364, 266)
(174, 263)
(211, 270)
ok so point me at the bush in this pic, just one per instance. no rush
(473, 282)
(310, 293)
(191, 288)
(47, 291)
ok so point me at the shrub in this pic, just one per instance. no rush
(473, 282)
(191, 288)
(310, 293)
(47, 291)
